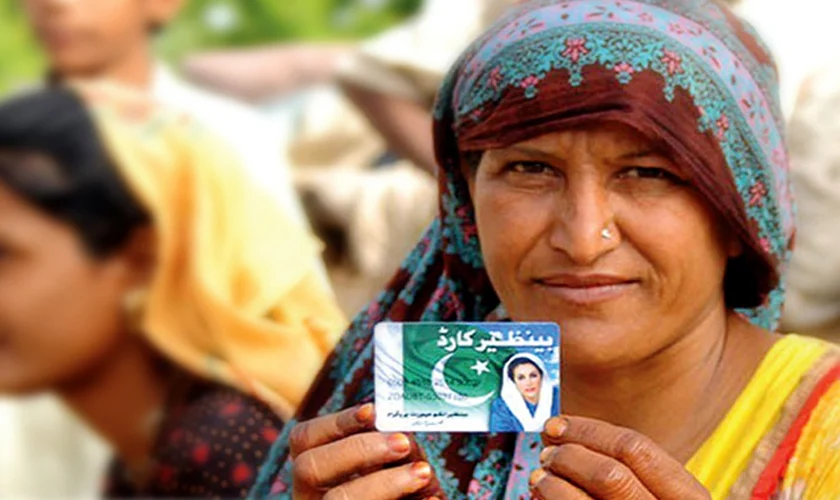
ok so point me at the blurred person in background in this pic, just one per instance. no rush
(112, 39)
(147, 281)
(363, 159)
(813, 304)
(393, 78)
(259, 74)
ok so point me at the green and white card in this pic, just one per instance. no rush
(466, 377)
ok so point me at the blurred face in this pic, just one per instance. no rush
(60, 310)
(542, 207)
(528, 380)
(85, 37)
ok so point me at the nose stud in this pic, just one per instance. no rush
(606, 233)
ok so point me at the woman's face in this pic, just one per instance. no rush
(60, 309)
(528, 380)
(541, 207)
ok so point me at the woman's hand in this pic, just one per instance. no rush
(340, 456)
(586, 458)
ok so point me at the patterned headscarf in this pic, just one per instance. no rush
(687, 74)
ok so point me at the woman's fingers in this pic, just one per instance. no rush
(545, 486)
(338, 452)
(661, 474)
(324, 466)
(598, 475)
(388, 484)
(333, 427)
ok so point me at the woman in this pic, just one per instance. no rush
(139, 282)
(621, 164)
(525, 403)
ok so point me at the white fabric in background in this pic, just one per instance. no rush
(813, 296)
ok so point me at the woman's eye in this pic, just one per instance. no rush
(530, 167)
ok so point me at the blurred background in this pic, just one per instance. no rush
(802, 36)
(366, 198)
(209, 24)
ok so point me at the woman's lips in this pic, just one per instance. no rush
(587, 289)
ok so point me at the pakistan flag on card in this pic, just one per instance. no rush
(466, 377)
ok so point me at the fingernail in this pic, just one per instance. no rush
(399, 443)
(546, 453)
(556, 426)
(365, 413)
(421, 470)
(536, 477)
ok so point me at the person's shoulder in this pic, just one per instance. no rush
(227, 406)
(213, 443)
(223, 415)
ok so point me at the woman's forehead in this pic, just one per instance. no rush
(604, 138)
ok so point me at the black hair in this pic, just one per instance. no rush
(519, 362)
(472, 159)
(52, 156)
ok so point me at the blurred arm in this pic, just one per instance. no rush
(263, 72)
(393, 78)
(404, 123)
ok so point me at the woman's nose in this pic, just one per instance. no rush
(584, 223)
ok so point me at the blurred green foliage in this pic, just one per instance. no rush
(235, 23)
(20, 60)
(205, 24)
